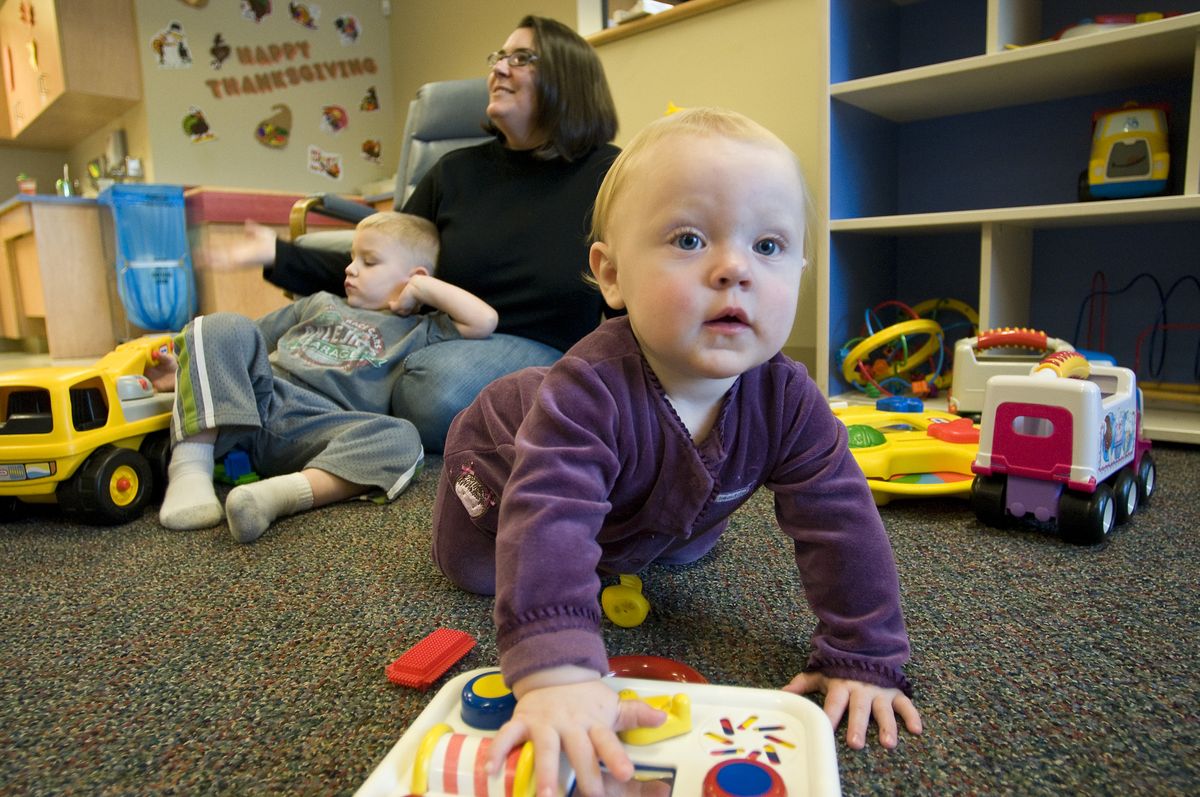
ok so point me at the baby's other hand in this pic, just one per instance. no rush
(255, 248)
(864, 701)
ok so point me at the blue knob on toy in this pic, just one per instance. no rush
(486, 702)
(743, 777)
(900, 404)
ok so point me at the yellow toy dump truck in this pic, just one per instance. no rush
(93, 439)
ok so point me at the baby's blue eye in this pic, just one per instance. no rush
(767, 246)
(688, 240)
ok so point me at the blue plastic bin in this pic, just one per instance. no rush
(155, 279)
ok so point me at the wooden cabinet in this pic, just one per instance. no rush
(69, 67)
(953, 165)
(54, 278)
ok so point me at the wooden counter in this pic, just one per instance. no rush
(54, 277)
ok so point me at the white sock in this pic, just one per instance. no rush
(190, 501)
(252, 507)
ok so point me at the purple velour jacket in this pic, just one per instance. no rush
(588, 469)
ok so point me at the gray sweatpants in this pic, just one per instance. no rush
(226, 382)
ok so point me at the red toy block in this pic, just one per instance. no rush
(426, 661)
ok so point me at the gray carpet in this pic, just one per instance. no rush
(142, 661)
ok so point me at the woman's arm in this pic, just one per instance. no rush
(299, 269)
(473, 317)
(306, 270)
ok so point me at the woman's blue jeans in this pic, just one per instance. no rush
(439, 381)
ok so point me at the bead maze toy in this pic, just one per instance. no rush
(907, 451)
(908, 356)
(718, 741)
(1063, 444)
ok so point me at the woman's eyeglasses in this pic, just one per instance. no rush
(515, 58)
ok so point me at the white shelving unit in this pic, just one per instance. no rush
(951, 170)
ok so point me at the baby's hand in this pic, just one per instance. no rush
(579, 718)
(864, 701)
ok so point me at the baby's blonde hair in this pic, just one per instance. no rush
(418, 235)
(716, 122)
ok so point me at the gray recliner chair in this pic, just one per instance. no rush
(445, 116)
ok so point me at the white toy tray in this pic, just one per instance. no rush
(785, 732)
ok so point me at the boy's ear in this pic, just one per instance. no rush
(423, 270)
(604, 269)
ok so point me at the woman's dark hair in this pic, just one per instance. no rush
(575, 107)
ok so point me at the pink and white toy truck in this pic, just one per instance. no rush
(1063, 444)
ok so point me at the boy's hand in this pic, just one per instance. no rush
(161, 372)
(255, 248)
(864, 701)
(409, 301)
(578, 718)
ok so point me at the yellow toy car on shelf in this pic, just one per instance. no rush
(93, 439)
(907, 451)
(1130, 156)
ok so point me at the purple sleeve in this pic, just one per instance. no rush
(843, 554)
(547, 611)
(306, 270)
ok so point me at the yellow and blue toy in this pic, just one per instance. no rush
(907, 451)
(487, 702)
(1129, 153)
(93, 439)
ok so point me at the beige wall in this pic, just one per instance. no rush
(44, 165)
(450, 39)
(765, 58)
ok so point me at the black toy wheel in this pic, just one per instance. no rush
(1086, 519)
(1147, 478)
(156, 448)
(988, 500)
(1125, 494)
(112, 486)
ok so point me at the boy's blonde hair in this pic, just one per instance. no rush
(717, 122)
(418, 235)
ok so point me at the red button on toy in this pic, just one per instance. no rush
(960, 431)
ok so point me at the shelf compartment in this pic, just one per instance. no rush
(1008, 157)
(1102, 62)
(953, 164)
